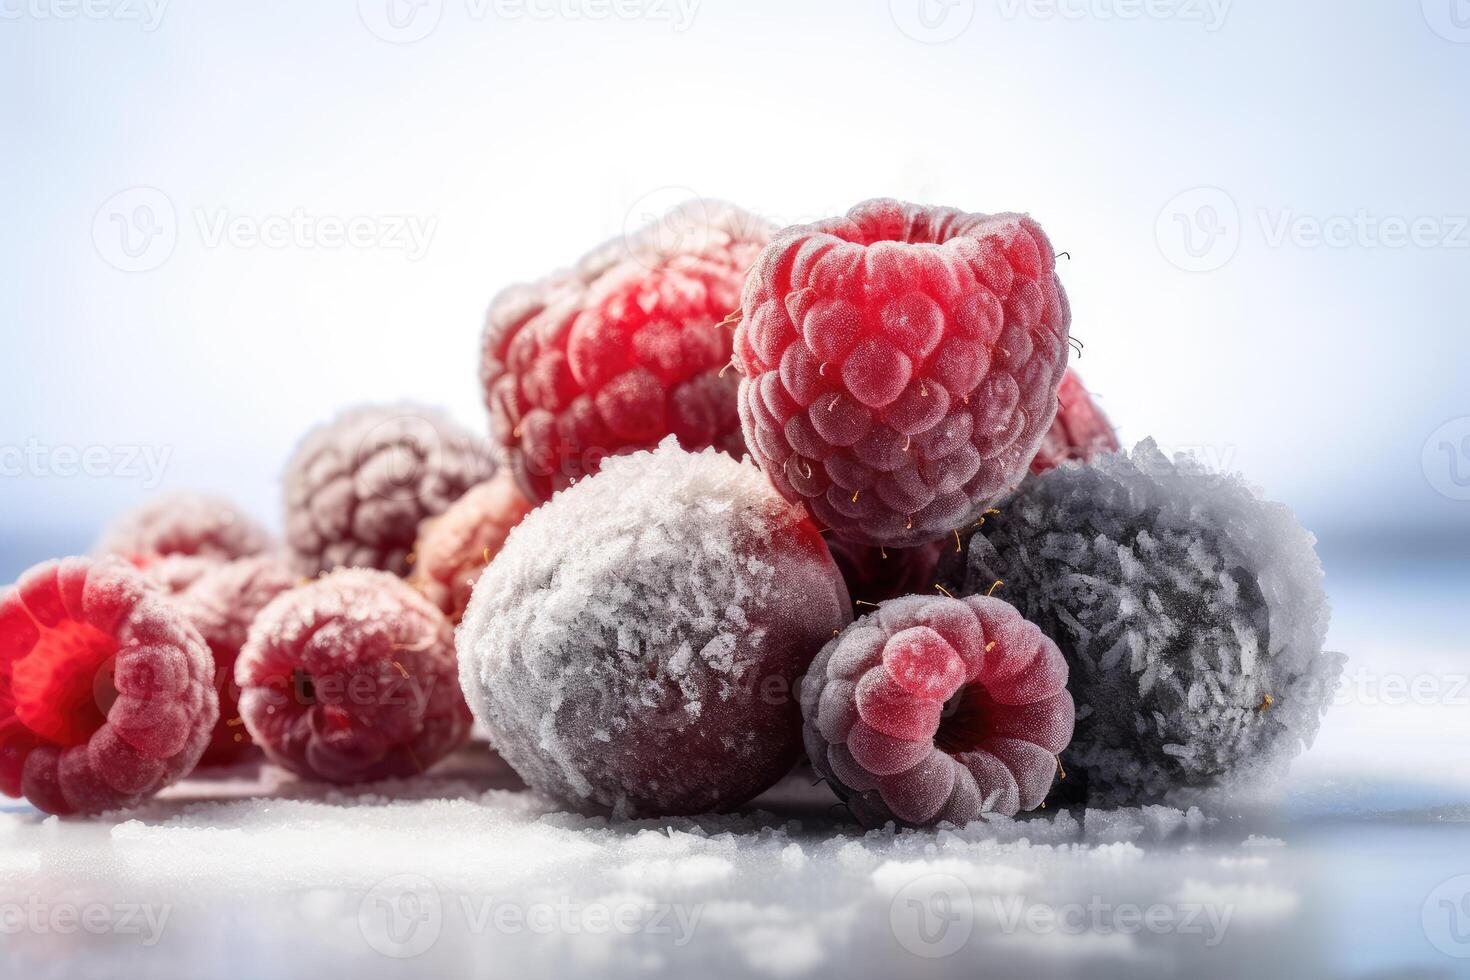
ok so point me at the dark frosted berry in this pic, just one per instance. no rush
(358, 487)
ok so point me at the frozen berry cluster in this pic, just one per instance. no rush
(749, 492)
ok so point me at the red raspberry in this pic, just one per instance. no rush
(455, 547)
(105, 694)
(875, 575)
(352, 678)
(628, 348)
(222, 599)
(901, 365)
(184, 523)
(1081, 431)
(359, 486)
(936, 709)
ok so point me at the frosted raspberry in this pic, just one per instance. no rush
(184, 523)
(634, 647)
(351, 678)
(875, 575)
(105, 694)
(901, 365)
(454, 548)
(221, 600)
(1081, 431)
(935, 709)
(359, 486)
(626, 349)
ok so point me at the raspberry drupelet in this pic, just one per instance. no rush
(901, 365)
(352, 678)
(629, 347)
(935, 709)
(454, 548)
(105, 693)
(1081, 431)
(184, 523)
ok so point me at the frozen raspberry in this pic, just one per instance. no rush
(935, 709)
(1081, 431)
(351, 678)
(875, 574)
(222, 599)
(634, 647)
(105, 694)
(1191, 613)
(359, 486)
(455, 547)
(901, 365)
(184, 523)
(626, 349)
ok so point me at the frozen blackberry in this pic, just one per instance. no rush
(1190, 611)
(358, 487)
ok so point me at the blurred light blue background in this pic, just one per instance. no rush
(1264, 206)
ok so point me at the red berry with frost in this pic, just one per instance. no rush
(221, 600)
(352, 678)
(184, 523)
(358, 488)
(1081, 431)
(901, 365)
(935, 709)
(454, 548)
(628, 348)
(105, 693)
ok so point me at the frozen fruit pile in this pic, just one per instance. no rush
(749, 492)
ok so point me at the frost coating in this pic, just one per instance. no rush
(184, 523)
(358, 487)
(635, 646)
(1190, 611)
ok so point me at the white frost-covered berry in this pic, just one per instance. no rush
(635, 646)
(1191, 613)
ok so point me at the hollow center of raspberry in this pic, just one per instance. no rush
(303, 688)
(64, 686)
(964, 725)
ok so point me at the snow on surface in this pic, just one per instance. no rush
(255, 874)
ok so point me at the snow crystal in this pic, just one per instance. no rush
(1191, 613)
(634, 647)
